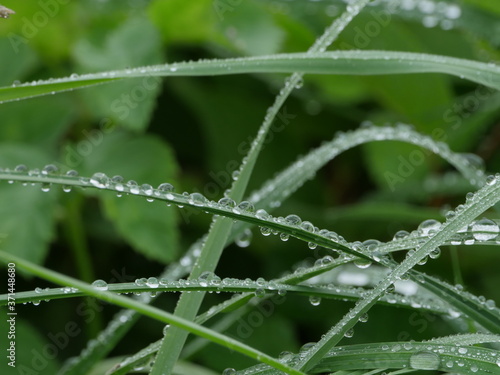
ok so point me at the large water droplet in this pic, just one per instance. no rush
(133, 187)
(229, 371)
(244, 239)
(293, 220)
(197, 199)
(21, 168)
(244, 207)
(314, 300)
(308, 226)
(482, 226)
(100, 285)
(49, 169)
(284, 236)
(262, 214)
(227, 202)
(362, 263)
(152, 282)
(265, 231)
(99, 180)
(424, 361)
(166, 190)
(429, 227)
(205, 278)
(147, 190)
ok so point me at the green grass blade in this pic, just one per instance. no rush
(480, 311)
(481, 201)
(338, 62)
(147, 310)
(189, 304)
(417, 356)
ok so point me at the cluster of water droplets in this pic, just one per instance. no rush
(431, 13)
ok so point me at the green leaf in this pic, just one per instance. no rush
(183, 21)
(19, 63)
(252, 29)
(129, 103)
(41, 122)
(150, 228)
(25, 210)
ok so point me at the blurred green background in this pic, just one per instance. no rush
(193, 132)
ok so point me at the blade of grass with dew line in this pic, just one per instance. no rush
(246, 287)
(292, 180)
(483, 199)
(427, 355)
(189, 304)
(147, 310)
(338, 62)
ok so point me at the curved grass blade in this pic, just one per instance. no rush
(337, 62)
(147, 310)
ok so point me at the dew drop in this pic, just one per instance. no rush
(480, 227)
(38, 290)
(227, 203)
(165, 189)
(306, 347)
(133, 187)
(262, 214)
(284, 236)
(260, 292)
(100, 285)
(429, 227)
(293, 220)
(197, 199)
(100, 180)
(49, 169)
(363, 318)
(152, 282)
(244, 207)
(21, 168)
(349, 333)
(147, 189)
(229, 371)
(308, 226)
(362, 263)
(244, 239)
(424, 361)
(434, 254)
(314, 300)
(265, 231)
(490, 180)
(165, 329)
(205, 278)
(401, 234)
(141, 282)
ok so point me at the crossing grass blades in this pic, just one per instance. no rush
(471, 351)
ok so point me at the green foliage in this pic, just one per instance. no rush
(167, 91)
